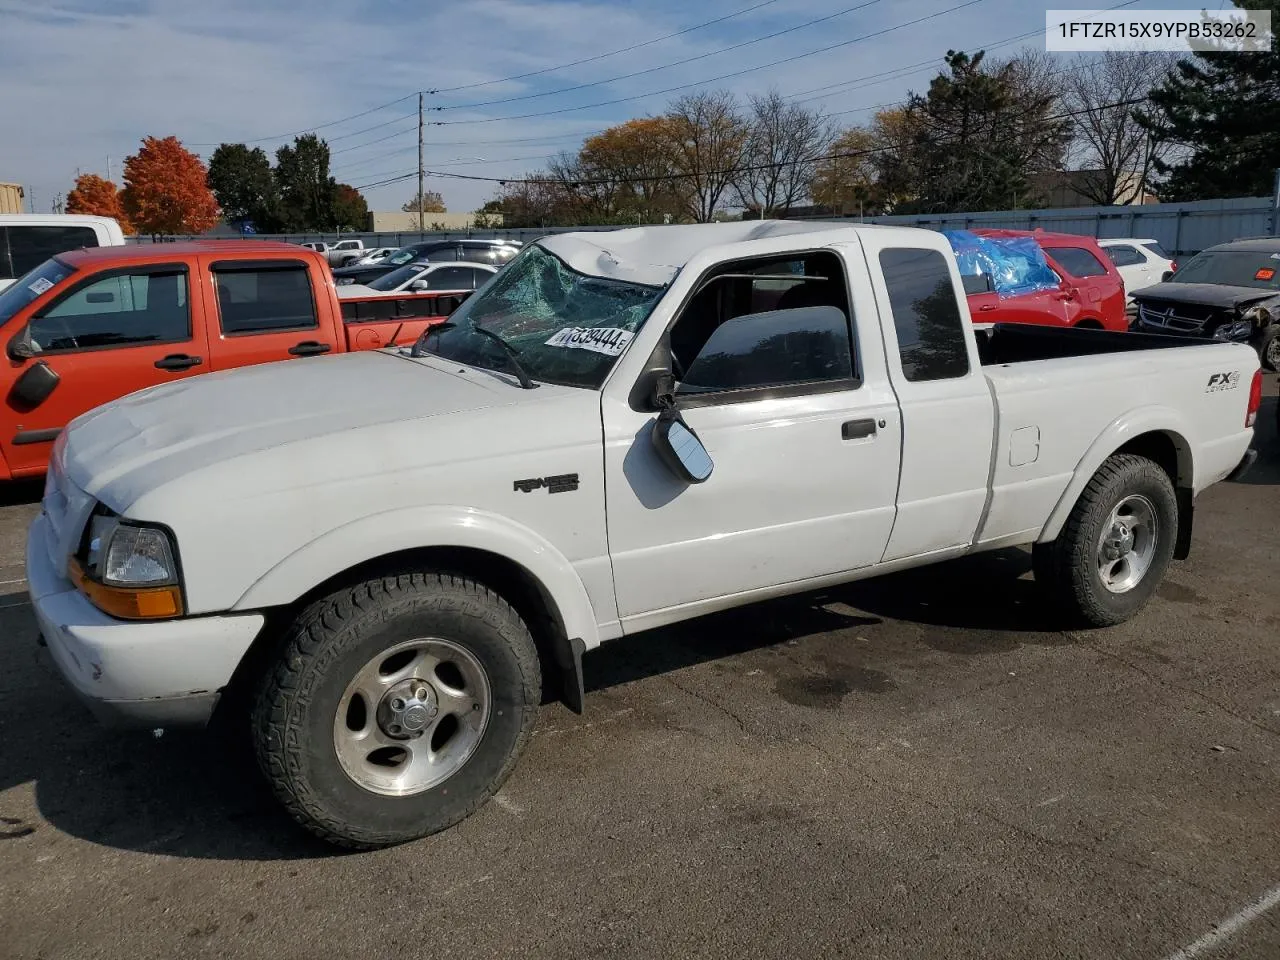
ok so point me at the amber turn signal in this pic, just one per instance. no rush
(128, 603)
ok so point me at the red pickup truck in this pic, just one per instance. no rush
(91, 325)
(1090, 291)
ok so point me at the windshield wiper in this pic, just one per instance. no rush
(512, 353)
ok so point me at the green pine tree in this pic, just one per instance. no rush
(1221, 112)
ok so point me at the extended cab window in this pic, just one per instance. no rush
(765, 325)
(1124, 256)
(926, 314)
(259, 297)
(120, 309)
(1077, 261)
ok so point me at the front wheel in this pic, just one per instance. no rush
(397, 708)
(1116, 544)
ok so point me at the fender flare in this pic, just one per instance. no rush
(1128, 426)
(380, 534)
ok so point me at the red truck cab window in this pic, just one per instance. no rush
(266, 310)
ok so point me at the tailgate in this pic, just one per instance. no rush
(371, 321)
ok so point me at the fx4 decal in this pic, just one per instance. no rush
(563, 483)
(1223, 381)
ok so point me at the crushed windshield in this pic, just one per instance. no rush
(1235, 268)
(566, 327)
(25, 289)
(393, 279)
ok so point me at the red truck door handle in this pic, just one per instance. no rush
(987, 306)
(179, 361)
(309, 347)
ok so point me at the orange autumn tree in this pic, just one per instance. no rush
(97, 197)
(166, 189)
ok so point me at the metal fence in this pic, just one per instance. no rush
(1181, 228)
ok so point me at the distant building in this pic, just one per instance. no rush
(11, 195)
(1070, 188)
(397, 221)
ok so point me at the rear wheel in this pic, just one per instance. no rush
(1269, 348)
(397, 708)
(1116, 544)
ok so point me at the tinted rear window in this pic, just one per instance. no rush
(1077, 261)
(29, 246)
(1158, 250)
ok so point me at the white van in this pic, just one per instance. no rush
(29, 239)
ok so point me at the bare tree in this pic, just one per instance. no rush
(708, 141)
(1113, 151)
(782, 135)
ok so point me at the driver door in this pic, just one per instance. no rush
(115, 332)
(800, 424)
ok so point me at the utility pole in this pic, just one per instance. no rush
(421, 199)
(108, 166)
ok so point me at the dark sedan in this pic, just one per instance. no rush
(1227, 292)
(495, 252)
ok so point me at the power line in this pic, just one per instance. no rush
(520, 76)
(603, 56)
(658, 178)
(726, 76)
(664, 66)
(895, 73)
(318, 126)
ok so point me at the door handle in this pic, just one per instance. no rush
(309, 347)
(857, 429)
(987, 306)
(179, 361)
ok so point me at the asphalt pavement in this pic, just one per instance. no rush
(923, 765)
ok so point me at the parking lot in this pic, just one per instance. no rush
(916, 766)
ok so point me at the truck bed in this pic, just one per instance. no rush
(1001, 343)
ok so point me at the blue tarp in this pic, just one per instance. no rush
(1016, 265)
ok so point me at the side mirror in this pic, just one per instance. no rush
(679, 448)
(19, 348)
(420, 285)
(33, 387)
(1165, 277)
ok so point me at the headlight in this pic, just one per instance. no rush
(1234, 330)
(128, 569)
(1258, 315)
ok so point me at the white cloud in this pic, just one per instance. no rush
(87, 79)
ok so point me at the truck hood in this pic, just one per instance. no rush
(148, 438)
(1204, 294)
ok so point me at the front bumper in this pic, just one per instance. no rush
(154, 674)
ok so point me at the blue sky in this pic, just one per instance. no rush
(84, 80)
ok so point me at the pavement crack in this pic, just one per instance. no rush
(719, 708)
(1182, 689)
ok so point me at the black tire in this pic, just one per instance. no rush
(296, 703)
(1066, 568)
(1269, 348)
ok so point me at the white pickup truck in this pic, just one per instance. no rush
(382, 559)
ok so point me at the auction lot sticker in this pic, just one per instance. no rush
(606, 340)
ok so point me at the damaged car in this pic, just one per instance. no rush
(1228, 292)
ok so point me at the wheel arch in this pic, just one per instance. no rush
(1157, 433)
(515, 562)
